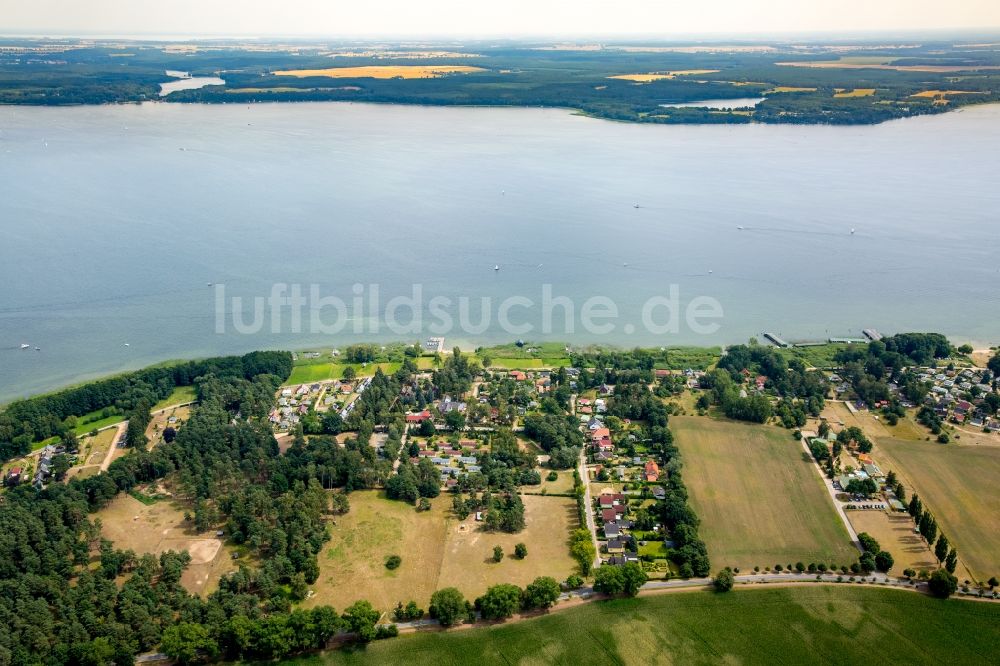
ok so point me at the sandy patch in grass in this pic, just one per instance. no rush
(159, 527)
(383, 71)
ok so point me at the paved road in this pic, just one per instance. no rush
(828, 484)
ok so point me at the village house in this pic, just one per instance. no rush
(651, 472)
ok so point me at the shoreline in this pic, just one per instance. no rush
(981, 349)
(571, 110)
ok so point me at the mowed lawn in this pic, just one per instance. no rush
(794, 625)
(958, 483)
(760, 500)
(437, 551)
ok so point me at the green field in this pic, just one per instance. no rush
(957, 483)
(800, 625)
(94, 421)
(178, 396)
(820, 356)
(760, 499)
(316, 372)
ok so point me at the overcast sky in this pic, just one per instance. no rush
(494, 18)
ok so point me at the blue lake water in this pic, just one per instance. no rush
(114, 220)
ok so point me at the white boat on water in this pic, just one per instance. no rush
(496, 267)
(25, 346)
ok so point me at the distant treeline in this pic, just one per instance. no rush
(26, 421)
(524, 76)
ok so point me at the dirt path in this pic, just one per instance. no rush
(113, 446)
(588, 507)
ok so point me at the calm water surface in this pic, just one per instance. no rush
(114, 219)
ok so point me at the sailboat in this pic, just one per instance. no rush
(496, 267)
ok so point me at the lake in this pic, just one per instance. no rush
(115, 219)
(736, 103)
(184, 81)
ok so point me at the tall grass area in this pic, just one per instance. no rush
(794, 625)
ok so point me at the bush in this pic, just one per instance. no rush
(497, 553)
(393, 562)
(520, 551)
(552, 476)
(943, 438)
(386, 631)
(724, 580)
(574, 582)
(942, 584)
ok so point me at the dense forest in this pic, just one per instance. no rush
(27, 421)
(902, 81)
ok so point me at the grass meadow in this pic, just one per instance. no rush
(791, 625)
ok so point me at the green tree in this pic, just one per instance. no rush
(582, 549)
(447, 606)
(543, 592)
(520, 551)
(187, 642)
(500, 601)
(360, 618)
(951, 562)
(609, 580)
(633, 578)
(349, 373)
(942, 584)
(883, 561)
(497, 553)
(941, 548)
(724, 580)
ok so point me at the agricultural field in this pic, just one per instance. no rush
(857, 92)
(758, 495)
(894, 532)
(957, 482)
(661, 76)
(804, 625)
(383, 72)
(437, 549)
(159, 526)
